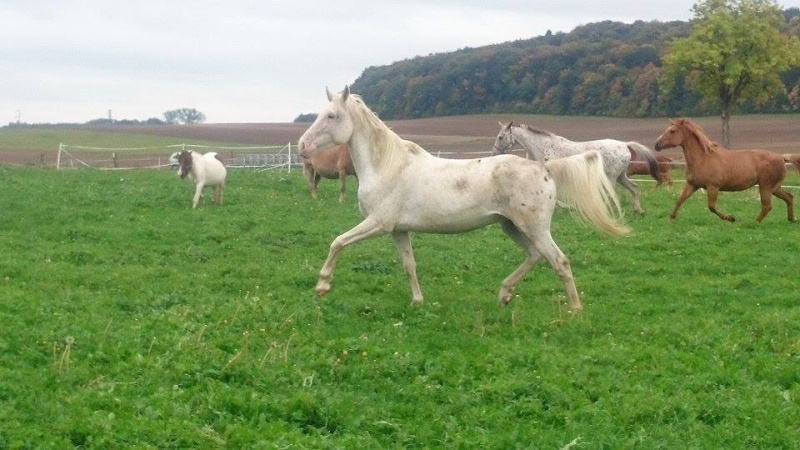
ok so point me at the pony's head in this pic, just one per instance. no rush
(504, 140)
(679, 132)
(185, 160)
(334, 126)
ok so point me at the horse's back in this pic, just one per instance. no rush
(214, 169)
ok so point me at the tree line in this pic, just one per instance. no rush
(606, 69)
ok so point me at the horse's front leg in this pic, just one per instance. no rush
(310, 175)
(366, 229)
(403, 243)
(198, 192)
(342, 185)
(687, 191)
(712, 193)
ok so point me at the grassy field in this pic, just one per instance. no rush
(131, 320)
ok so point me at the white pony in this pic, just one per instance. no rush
(204, 170)
(544, 146)
(403, 188)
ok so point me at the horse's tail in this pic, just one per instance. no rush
(582, 184)
(647, 154)
(793, 159)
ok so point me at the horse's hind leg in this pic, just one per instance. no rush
(507, 287)
(403, 243)
(634, 190)
(787, 197)
(218, 193)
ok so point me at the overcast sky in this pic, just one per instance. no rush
(249, 61)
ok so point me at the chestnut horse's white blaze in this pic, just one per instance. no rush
(544, 146)
(403, 188)
(203, 170)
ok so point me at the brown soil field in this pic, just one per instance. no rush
(475, 134)
(472, 135)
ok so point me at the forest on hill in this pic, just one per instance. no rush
(599, 69)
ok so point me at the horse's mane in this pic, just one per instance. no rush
(536, 130)
(388, 149)
(706, 143)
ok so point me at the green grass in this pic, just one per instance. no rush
(131, 320)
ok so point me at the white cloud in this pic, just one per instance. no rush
(246, 61)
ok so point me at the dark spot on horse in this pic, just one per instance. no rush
(461, 184)
(546, 179)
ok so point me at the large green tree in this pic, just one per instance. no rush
(735, 52)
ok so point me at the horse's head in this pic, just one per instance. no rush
(673, 136)
(334, 126)
(185, 161)
(504, 140)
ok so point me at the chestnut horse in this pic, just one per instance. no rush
(713, 168)
(638, 166)
(332, 164)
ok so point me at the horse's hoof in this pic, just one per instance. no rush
(322, 288)
(417, 302)
(732, 219)
(504, 299)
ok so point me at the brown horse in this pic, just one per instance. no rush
(713, 168)
(332, 164)
(638, 166)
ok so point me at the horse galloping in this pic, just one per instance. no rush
(403, 188)
(714, 168)
(544, 146)
(333, 164)
(203, 170)
(639, 167)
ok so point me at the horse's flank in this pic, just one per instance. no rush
(334, 163)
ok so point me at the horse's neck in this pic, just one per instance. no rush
(540, 147)
(361, 154)
(694, 151)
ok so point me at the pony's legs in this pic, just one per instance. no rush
(403, 243)
(633, 189)
(712, 193)
(787, 197)
(366, 229)
(198, 192)
(218, 193)
(687, 191)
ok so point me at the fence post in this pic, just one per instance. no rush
(58, 157)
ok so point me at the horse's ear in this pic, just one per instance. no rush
(345, 92)
(328, 93)
(508, 127)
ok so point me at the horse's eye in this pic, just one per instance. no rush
(331, 116)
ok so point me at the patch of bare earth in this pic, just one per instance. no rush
(473, 136)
